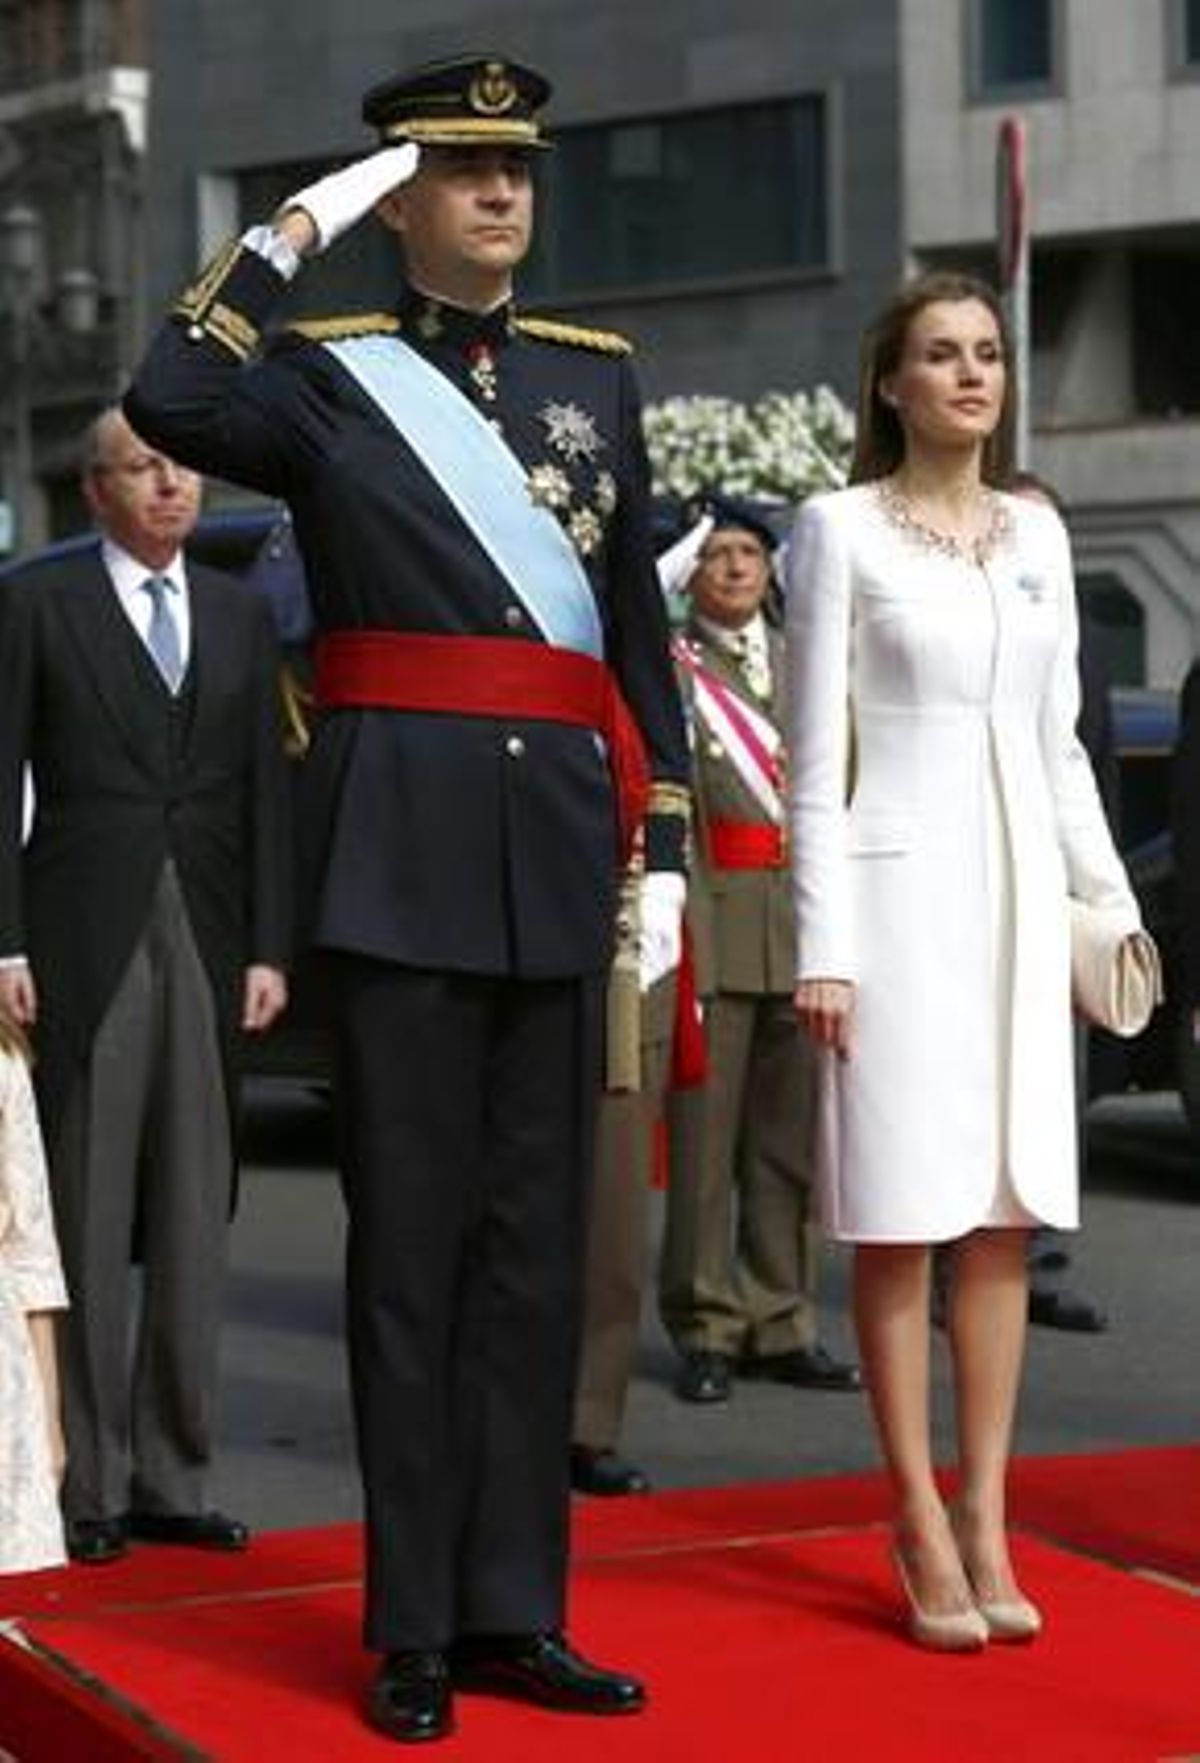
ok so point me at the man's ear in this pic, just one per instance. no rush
(392, 210)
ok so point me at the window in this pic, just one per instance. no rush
(1013, 46)
(1164, 294)
(1183, 27)
(713, 196)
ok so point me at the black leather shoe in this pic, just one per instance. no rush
(704, 1377)
(96, 1540)
(410, 1699)
(194, 1530)
(805, 1368)
(1064, 1309)
(543, 1668)
(603, 1472)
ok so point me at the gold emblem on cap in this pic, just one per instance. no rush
(492, 93)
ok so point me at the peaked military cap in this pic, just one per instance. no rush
(470, 101)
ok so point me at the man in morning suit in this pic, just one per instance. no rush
(145, 921)
(469, 493)
(737, 1279)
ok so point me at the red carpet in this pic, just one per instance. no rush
(763, 1618)
(1140, 1508)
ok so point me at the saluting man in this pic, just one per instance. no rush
(469, 492)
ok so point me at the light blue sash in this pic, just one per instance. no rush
(485, 482)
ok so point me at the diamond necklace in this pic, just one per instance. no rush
(899, 513)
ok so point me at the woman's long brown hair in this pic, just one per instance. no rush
(879, 437)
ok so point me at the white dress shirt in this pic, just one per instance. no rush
(127, 575)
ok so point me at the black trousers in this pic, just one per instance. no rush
(467, 1109)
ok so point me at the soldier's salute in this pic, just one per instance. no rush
(469, 491)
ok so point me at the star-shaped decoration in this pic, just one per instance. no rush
(549, 486)
(585, 530)
(606, 492)
(571, 431)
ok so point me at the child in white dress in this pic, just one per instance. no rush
(31, 1290)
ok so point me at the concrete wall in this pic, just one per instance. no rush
(1118, 149)
(240, 86)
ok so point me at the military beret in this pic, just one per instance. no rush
(469, 101)
(734, 511)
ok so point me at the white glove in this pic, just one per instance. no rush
(335, 202)
(677, 565)
(660, 932)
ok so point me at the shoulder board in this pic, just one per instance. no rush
(346, 324)
(549, 330)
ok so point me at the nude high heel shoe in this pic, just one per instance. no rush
(950, 1631)
(1007, 1619)
(1010, 1619)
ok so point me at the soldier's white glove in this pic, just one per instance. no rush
(335, 202)
(677, 565)
(660, 933)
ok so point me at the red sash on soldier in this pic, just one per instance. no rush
(489, 676)
(751, 743)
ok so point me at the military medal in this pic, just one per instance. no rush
(481, 371)
(571, 431)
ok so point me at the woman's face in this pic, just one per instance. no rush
(948, 390)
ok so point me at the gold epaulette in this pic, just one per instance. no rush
(549, 330)
(207, 315)
(345, 324)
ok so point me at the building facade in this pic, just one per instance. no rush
(1110, 90)
(73, 96)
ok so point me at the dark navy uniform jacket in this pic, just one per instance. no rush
(442, 841)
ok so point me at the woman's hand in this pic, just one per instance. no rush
(826, 1011)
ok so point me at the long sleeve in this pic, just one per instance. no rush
(1094, 871)
(819, 636)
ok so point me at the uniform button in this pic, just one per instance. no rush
(195, 333)
(514, 746)
(513, 616)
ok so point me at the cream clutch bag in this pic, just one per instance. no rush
(1116, 975)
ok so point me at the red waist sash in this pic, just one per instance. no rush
(488, 676)
(738, 844)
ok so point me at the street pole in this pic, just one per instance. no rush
(1012, 246)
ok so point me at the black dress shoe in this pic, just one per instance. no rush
(411, 1698)
(603, 1472)
(194, 1530)
(543, 1668)
(805, 1368)
(96, 1540)
(704, 1377)
(1054, 1308)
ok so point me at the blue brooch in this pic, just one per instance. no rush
(1033, 588)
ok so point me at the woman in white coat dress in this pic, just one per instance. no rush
(943, 811)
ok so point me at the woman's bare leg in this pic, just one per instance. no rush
(891, 1307)
(986, 1316)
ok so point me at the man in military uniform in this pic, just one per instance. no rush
(738, 1274)
(469, 493)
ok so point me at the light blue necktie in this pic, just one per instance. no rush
(162, 637)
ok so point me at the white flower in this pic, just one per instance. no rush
(780, 448)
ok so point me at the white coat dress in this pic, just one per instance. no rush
(31, 1534)
(940, 888)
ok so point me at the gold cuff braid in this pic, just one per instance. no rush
(207, 315)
